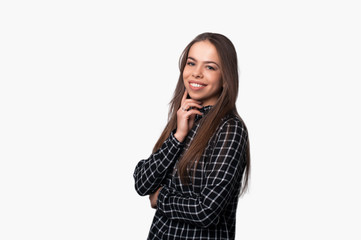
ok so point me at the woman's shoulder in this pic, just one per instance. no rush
(232, 120)
(231, 125)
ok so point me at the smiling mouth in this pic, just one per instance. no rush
(196, 85)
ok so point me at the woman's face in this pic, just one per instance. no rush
(202, 73)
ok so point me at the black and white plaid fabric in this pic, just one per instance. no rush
(206, 208)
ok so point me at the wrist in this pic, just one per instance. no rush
(179, 136)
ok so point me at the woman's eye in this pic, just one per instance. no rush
(210, 68)
(190, 63)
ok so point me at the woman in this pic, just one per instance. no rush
(194, 175)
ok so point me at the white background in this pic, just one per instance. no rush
(84, 95)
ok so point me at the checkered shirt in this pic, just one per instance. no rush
(205, 208)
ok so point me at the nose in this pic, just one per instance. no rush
(197, 73)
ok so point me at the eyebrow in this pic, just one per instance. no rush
(204, 61)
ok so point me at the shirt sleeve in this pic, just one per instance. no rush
(223, 174)
(149, 173)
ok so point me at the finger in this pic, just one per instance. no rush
(187, 105)
(192, 112)
(185, 94)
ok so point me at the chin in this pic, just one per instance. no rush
(194, 97)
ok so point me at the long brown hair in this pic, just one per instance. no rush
(225, 104)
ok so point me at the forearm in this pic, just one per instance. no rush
(150, 172)
(202, 211)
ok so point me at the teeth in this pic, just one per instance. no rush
(196, 85)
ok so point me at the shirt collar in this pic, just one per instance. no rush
(203, 110)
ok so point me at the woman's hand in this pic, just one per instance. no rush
(153, 198)
(186, 116)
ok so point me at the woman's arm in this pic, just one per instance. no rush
(149, 173)
(223, 173)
